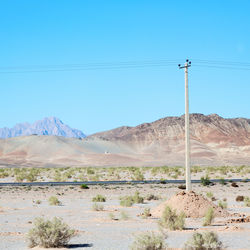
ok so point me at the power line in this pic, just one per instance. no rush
(122, 65)
(221, 67)
(87, 66)
(109, 64)
(222, 62)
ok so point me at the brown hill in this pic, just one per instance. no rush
(214, 141)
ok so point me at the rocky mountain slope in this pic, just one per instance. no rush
(47, 126)
(214, 141)
(205, 129)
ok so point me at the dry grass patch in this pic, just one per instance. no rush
(149, 241)
(170, 220)
(46, 233)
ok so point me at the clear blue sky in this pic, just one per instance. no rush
(59, 32)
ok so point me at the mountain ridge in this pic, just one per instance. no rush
(47, 126)
(214, 140)
(166, 125)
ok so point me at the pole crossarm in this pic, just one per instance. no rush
(187, 139)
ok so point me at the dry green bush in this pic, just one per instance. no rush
(239, 198)
(182, 186)
(209, 216)
(46, 233)
(138, 175)
(171, 220)
(204, 241)
(54, 201)
(97, 207)
(205, 181)
(128, 201)
(84, 186)
(99, 198)
(210, 195)
(124, 215)
(222, 204)
(247, 201)
(234, 184)
(149, 241)
(112, 216)
(137, 198)
(152, 197)
(146, 213)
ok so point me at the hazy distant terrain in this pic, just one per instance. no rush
(214, 141)
(47, 126)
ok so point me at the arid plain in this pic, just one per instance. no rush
(115, 226)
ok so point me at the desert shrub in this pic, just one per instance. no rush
(210, 195)
(222, 204)
(205, 181)
(138, 175)
(149, 241)
(54, 201)
(146, 213)
(203, 241)
(97, 207)
(90, 171)
(20, 177)
(154, 170)
(95, 177)
(99, 198)
(171, 220)
(222, 181)
(46, 233)
(209, 216)
(38, 202)
(126, 201)
(163, 181)
(233, 184)
(112, 216)
(137, 198)
(182, 186)
(152, 197)
(57, 176)
(247, 201)
(84, 186)
(124, 215)
(4, 173)
(239, 198)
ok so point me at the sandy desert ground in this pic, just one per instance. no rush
(96, 230)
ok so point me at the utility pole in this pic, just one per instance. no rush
(187, 140)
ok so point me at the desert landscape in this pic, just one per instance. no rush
(137, 216)
(110, 224)
(215, 141)
(124, 125)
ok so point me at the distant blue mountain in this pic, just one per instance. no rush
(47, 126)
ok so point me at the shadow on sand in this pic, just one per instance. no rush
(78, 245)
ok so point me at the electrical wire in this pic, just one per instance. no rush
(123, 65)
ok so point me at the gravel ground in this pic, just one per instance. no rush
(95, 228)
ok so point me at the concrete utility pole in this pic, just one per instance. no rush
(187, 140)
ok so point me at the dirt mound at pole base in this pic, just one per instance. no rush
(192, 204)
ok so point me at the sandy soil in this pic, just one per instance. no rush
(95, 229)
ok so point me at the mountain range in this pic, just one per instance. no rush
(47, 126)
(214, 141)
